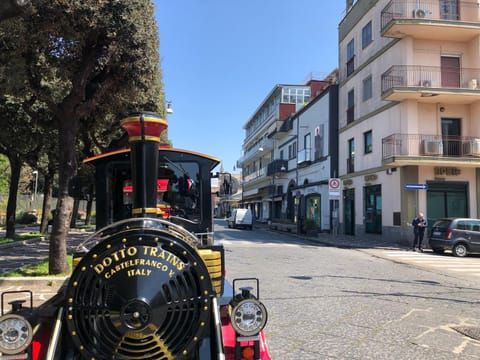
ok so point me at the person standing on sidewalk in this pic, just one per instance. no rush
(419, 225)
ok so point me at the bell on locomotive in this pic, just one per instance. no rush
(150, 283)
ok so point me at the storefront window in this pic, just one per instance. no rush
(313, 209)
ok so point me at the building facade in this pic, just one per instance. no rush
(409, 99)
(287, 145)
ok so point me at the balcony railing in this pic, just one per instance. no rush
(255, 175)
(419, 76)
(276, 166)
(416, 145)
(255, 151)
(465, 11)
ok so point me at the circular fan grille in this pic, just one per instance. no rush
(139, 294)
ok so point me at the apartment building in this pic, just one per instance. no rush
(270, 164)
(409, 101)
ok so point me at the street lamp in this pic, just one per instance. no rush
(35, 172)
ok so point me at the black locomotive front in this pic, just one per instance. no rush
(143, 292)
(149, 284)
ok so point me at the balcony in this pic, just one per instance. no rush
(277, 166)
(410, 149)
(431, 84)
(429, 19)
(255, 152)
(256, 175)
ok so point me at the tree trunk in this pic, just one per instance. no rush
(15, 167)
(67, 167)
(73, 219)
(47, 204)
(88, 215)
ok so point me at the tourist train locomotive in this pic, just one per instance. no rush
(150, 283)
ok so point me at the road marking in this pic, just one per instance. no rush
(243, 243)
(445, 262)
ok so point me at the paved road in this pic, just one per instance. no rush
(327, 302)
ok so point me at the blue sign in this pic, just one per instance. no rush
(416, 186)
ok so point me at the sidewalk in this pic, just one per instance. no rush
(363, 241)
(18, 254)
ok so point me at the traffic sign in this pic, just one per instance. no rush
(416, 186)
(334, 184)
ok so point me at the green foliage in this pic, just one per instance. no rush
(38, 269)
(4, 175)
(27, 218)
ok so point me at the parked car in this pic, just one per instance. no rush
(240, 218)
(460, 235)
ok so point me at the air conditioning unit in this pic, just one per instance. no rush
(473, 84)
(420, 13)
(472, 147)
(434, 147)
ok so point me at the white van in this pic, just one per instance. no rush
(240, 218)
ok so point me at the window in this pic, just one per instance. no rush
(367, 139)
(350, 106)
(350, 57)
(366, 35)
(292, 150)
(351, 156)
(306, 141)
(367, 88)
(449, 10)
(281, 154)
(319, 141)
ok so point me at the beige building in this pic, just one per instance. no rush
(409, 113)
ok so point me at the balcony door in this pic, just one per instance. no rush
(451, 132)
(449, 10)
(450, 68)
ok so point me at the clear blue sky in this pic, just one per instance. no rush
(221, 58)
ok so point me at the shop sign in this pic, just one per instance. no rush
(446, 171)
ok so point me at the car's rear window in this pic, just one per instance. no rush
(441, 225)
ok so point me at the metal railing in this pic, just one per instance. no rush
(420, 145)
(255, 175)
(420, 76)
(445, 11)
(277, 166)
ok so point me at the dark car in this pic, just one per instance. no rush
(460, 235)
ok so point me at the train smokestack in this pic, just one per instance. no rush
(144, 130)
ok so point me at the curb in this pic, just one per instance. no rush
(33, 280)
(22, 242)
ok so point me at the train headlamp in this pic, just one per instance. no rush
(15, 334)
(249, 317)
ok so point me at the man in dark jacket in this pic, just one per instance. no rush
(419, 225)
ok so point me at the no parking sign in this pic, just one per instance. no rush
(334, 187)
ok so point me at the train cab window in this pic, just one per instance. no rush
(178, 192)
(181, 193)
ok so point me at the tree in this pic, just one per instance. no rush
(83, 56)
(12, 8)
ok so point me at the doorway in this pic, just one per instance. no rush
(451, 131)
(373, 209)
(450, 69)
(349, 211)
(446, 199)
